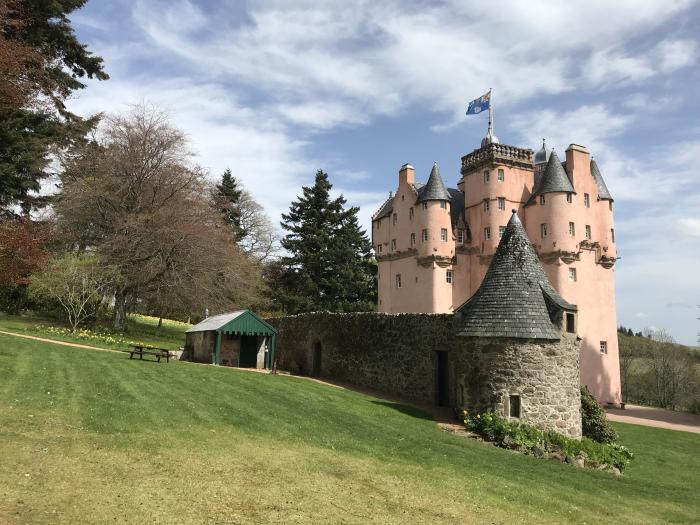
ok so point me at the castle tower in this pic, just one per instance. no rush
(516, 329)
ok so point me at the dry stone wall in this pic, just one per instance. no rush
(397, 353)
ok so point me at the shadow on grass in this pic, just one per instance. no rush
(405, 409)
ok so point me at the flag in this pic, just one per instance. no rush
(480, 104)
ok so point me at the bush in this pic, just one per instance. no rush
(526, 438)
(594, 422)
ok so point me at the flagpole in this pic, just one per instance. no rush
(490, 111)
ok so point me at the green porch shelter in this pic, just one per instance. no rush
(240, 339)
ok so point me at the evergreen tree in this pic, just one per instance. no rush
(329, 266)
(229, 195)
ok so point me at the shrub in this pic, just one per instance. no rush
(594, 422)
(526, 438)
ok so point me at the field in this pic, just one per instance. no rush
(92, 437)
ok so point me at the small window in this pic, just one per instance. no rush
(570, 323)
(448, 276)
(543, 230)
(501, 231)
(425, 205)
(612, 234)
(393, 245)
(469, 235)
(424, 235)
(501, 203)
(588, 231)
(487, 205)
(443, 234)
(610, 205)
(379, 248)
(501, 175)
(487, 176)
(572, 229)
(443, 204)
(569, 197)
(541, 199)
(460, 236)
(413, 239)
(514, 405)
(487, 234)
(586, 200)
(410, 213)
(572, 275)
(395, 219)
(398, 280)
(603, 347)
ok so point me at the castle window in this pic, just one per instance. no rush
(572, 275)
(469, 235)
(424, 235)
(460, 236)
(398, 280)
(379, 248)
(610, 205)
(487, 234)
(413, 239)
(395, 219)
(443, 234)
(487, 176)
(501, 175)
(501, 203)
(543, 230)
(410, 213)
(393, 245)
(448, 276)
(401, 197)
(487, 205)
(443, 204)
(586, 200)
(425, 205)
(569, 197)
(603, 347)
(572, 229)
(612, 234)
(588, 231)
(570, 323)
(501, 231)
(541, 199)
(514, 405)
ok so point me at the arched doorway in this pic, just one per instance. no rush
(316, 360)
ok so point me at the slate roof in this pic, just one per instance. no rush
(385, 209)
(456, 205)
(554, 179)
(216, 321)
(515, 298)
(603, 192)
(434, 189)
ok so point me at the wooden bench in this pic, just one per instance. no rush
(140, 350)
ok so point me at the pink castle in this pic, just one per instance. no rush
(434, 244)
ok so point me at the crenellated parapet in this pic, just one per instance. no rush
(497, 154)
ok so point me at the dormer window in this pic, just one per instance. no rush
(541, 199)
(586, 200)
(487, 176)
(501, 175)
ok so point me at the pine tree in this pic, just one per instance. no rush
(230, 195)
(329, 266)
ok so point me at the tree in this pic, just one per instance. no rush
(23, 248)
(229, 196)
(329, 266)
(78, 282)
(133, 196)
(41, 64)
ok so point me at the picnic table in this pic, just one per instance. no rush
(158, 353)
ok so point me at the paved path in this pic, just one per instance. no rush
(56, 342)
(655, 417)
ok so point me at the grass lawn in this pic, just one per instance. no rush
(92, 437)
(140, 329)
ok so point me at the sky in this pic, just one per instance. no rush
(276, 90)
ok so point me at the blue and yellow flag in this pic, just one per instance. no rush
(480, 104)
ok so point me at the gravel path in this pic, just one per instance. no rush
(655, 417)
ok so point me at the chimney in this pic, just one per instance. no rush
(578, 160)
(406, 174)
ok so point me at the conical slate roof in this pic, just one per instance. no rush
(515, 298)
(435, 189)
(554, 179)
(603, 192)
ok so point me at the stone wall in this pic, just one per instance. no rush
(397, 353)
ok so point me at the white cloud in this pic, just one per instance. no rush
(688, 226)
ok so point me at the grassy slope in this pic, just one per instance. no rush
(141, 329)
(93, 437)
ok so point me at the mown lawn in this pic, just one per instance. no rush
(140, 329)
(92, 437)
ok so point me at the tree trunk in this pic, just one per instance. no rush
(119, 310)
